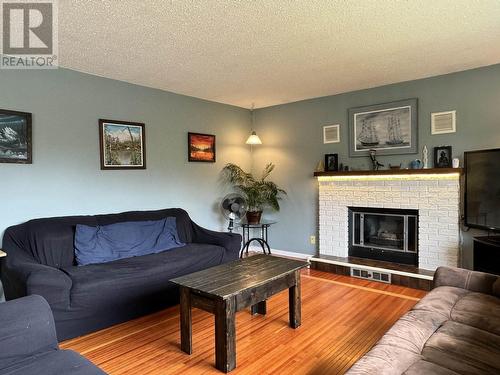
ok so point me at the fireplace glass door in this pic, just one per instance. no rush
(383, 234)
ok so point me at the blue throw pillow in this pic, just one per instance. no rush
(106, 243)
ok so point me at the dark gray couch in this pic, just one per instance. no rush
(40, 260)
(455, 329)
(29, 345)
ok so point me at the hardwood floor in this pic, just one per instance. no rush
(342, 318)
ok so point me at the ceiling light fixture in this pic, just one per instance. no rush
(253, 139)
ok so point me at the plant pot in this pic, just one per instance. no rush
(253, 217)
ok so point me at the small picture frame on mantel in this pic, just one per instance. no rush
(331, 162)
(442, 157)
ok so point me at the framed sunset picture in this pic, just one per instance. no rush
(201, 147)
(122, 145)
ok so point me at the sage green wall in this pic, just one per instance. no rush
(65, 177)
(292, 137)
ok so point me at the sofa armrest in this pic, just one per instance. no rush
(27, 327)
(230, 241)
(51, 283)
(23, 275)
(471, 280)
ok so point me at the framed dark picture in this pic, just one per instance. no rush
(331, 162)
(122, 145)
(442, 157)
(15, 137)
(201, 147)
(389, 128)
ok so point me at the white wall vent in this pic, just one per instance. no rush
(444, 122)
(331, 133)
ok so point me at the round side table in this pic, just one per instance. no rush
(262, 240)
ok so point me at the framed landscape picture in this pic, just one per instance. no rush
(15, 137)
(122, 145)
(389, 128)
(201, 147)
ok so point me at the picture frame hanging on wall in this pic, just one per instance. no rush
(15, 137)
(122, 144)
(389, 128)
(201, 147)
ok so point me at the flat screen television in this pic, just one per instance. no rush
(482, 189)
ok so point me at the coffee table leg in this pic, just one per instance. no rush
(225, 335)
(259, 308)
(186, 329)
(294, 302)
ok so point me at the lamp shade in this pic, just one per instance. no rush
(253, 139)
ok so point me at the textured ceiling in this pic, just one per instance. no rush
(273, 52)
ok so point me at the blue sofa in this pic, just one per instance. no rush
(29, 344)
(87, 298)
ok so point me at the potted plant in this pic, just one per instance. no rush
(259, 192)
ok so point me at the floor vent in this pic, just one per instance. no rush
(371, 275)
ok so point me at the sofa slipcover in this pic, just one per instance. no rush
(29, 344)
(87, 298)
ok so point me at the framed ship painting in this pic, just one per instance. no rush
(389, 128)
(15, 137)
(122, 145)
(201, 147)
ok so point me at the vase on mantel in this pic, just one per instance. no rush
(425, 157)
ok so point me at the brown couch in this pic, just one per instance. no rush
(455, 329)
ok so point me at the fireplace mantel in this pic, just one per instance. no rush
(392, 172)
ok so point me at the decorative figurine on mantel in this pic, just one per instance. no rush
(425, 157)
(320, 167)
(375, 164)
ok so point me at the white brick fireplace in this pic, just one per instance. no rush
(435, 196)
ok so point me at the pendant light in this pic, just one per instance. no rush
(253, 139)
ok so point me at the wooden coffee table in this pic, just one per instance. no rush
(226, 289)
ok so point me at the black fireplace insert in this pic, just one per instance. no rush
(386, 234)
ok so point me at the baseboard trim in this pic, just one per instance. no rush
(291, 254)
